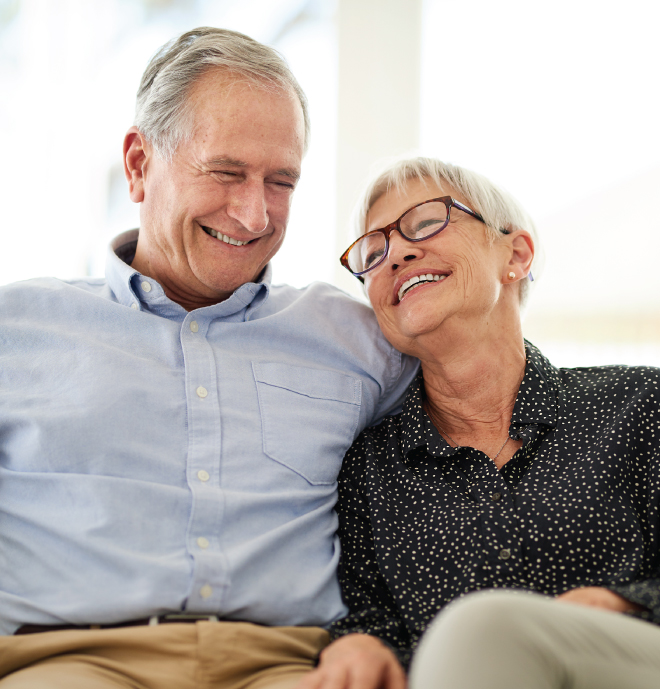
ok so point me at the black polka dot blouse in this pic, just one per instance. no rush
(422, 523)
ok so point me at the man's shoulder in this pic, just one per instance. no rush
(47, 292)
(331, 314)
(325, 299)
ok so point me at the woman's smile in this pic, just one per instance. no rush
(406, 284)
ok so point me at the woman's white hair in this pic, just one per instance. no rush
(162, 110)
(497, 207)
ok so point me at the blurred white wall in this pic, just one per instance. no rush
(379, 49)
(560, 103)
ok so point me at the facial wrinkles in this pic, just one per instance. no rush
(255, 190)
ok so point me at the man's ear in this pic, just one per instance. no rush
(135, 159)
(522, 255)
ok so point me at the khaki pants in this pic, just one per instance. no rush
(505, 640)
(200, 655)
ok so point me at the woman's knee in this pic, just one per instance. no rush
(482, 636)
(488, 615)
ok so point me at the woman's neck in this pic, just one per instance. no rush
(471, 381)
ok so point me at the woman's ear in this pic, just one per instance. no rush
(135, 158)
(522, 255)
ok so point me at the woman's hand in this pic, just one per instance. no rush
(356, 661)
(599, 597)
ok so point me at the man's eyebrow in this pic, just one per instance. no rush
(293, 174)
(233, 162)
(225, 160)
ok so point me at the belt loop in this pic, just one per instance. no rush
(153, 620)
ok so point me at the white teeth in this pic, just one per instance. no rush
(418, 280)
(223, 237)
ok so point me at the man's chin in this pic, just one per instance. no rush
(223, 286)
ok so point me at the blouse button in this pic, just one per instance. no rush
(505, 554)
(495, 496)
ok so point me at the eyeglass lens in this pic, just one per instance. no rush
(419, 222)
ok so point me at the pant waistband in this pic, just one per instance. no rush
(171, 618)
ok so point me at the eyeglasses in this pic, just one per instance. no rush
(418, 223)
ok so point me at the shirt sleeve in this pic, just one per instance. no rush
(403, 369)
(372, 608)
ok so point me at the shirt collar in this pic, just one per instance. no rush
(416, 426)
(536, 404)
(128, 285)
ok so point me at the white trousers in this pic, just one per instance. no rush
(508, 640)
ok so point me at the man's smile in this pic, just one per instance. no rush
(223, 237)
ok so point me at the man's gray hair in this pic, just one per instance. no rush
(162, 111)
(497, 207)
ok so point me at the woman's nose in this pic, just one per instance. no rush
(402, 251)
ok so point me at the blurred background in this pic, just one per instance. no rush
(557, 102)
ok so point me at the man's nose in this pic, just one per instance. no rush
(402, 251)
(248, 207)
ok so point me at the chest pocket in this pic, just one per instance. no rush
(308, 417)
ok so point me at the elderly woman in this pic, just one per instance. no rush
(502, 472)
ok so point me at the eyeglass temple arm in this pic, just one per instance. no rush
(503, 230)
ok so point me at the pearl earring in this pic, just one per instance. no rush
(512, 276)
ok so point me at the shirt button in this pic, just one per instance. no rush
(134, 306)
(193, 326)
(146, 286)
(202, 392)
(202, 542)
(206, 591)
(203, 475)
(505, 554)
(495, 496)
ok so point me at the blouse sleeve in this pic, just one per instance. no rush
(645, 593)
(372, 608)
(646, 494)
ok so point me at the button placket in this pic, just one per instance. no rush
(204, 455)
(499, 523)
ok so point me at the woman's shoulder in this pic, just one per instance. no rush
(617, 391)
(612, 376)
(374, 445)
(596, 377)
(378, 438)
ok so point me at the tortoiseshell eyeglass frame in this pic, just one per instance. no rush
(396, 225)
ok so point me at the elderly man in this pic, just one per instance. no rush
(170, 436)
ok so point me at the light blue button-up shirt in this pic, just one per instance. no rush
(156, 460)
